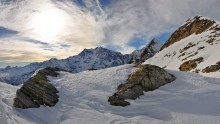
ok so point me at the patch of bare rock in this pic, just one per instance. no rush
(37, 91)
(145, 78)
(196, 25)
(191, 64)
(212, 68)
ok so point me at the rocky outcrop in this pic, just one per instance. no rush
(212, 68)
(195, 25)
(191, 64)
(37, 91)
(145, 78)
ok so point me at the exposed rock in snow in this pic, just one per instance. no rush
(196, 25)
(191, 64)
(145, 78)
(97, 58)
(37, 91)
(148, 51)
(212, 68)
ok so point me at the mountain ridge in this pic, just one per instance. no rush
(95, 58)
(89, 58)
(197, 52)
(146, 52)
(197, 25)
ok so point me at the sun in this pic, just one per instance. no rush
(48, 23)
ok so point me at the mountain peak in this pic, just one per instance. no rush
(154, 42)
(96, 50)
(146, 52)
(193, 47)
(97, 58)
(195, 25)
(197, 18)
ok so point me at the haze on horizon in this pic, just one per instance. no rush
(37, 30)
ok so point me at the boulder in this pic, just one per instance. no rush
(131, 93)
(37, 91)
(145, 78)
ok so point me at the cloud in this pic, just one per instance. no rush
(62, 28)
(152, 18)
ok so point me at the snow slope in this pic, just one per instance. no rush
(192, 98)
(176, 54)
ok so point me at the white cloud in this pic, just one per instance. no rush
(153, 17)
(57, 22)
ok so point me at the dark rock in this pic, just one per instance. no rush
(145, 78)
(210, 41)
(155, 77)
(201, 48)
(92, 69)
(37, 91)
(132, 93)
(189, 45)
(116, 101)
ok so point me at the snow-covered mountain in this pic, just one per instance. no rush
(97, 58)
(193, 47)
(148, 51)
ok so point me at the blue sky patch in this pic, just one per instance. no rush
(6, 32)
(105, 2)
(163, 37)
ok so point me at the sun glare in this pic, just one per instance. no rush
(48, 23)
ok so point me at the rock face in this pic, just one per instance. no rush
(37, 91)
(191, 64)
(145, 78)
(196, 25)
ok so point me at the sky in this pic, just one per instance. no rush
(37, 30)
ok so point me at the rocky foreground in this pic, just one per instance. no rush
(145, 78)
(37, 91)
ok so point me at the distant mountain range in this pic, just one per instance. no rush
(88, 59)
(192, 47)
